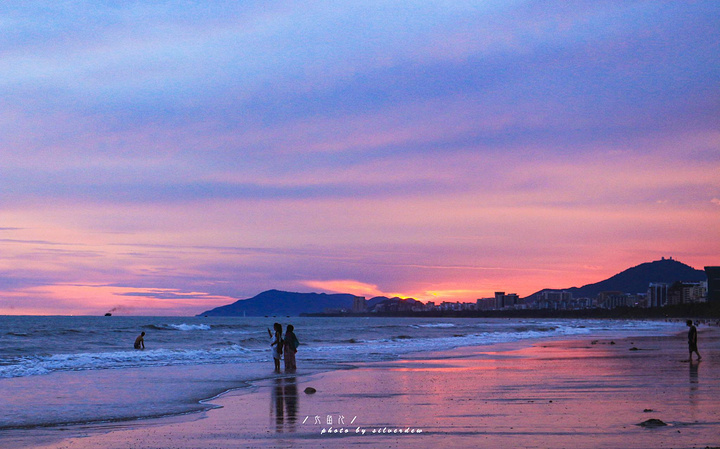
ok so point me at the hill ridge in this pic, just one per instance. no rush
(637, 279)
(281, 303)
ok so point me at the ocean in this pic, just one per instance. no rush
(57, 371)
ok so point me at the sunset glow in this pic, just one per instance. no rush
(170, 158)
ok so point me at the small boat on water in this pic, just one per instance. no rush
(108, 314)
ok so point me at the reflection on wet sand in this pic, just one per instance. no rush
(284, 404)
(694, 384)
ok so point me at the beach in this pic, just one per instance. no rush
(555, 393)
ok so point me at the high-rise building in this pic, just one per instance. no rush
(554, 299)
(687, 292)
(713, 283)
(611, 300)
(695, 292)
(657, 294)
(485, 303)
(359, 304)
(502, 300)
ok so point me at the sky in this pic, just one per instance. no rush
(165, 158)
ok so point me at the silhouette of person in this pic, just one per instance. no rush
(276, 345)
(291, 345)
(692, 340)
(140, 341)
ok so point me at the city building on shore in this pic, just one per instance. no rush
(687, 293)
(657, 294)
(713, 283)
(359, 305)
(506, 301)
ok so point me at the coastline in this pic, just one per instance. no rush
(575, 392)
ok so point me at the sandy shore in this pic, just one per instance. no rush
(564, 394)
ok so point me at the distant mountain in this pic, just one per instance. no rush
(636, 279)
(385, 304)
(276, 302)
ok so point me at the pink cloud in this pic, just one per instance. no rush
(72, 299)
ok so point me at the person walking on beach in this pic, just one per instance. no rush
(692, 340)
(276, 345)
(291, 344)
(140, 341)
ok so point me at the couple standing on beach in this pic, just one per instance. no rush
(287, 345)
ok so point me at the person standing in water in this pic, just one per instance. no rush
(692, 340)
(140, 341)
(291, 344)
(276, 345)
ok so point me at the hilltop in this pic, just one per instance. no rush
(636, 279)
(276, 302)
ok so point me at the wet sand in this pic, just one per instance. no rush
(559, 394)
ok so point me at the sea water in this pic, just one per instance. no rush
(67, 370)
